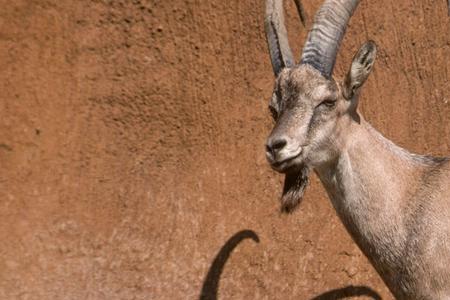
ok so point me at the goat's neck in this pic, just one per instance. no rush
(370, 183)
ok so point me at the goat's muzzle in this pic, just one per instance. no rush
(281, 158)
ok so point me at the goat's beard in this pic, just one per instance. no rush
(295, 184)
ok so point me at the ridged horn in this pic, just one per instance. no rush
(276, 34)
(325, 37)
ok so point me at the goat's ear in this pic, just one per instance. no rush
(360, 69)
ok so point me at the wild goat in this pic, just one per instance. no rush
(395, 205)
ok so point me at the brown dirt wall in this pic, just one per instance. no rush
(131, 147)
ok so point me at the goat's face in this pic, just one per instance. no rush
(312, 116)
(306, 107)
(310, 109)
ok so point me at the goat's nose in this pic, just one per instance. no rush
(274, 145)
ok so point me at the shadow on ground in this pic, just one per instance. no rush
(211, 283)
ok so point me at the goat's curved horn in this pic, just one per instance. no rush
(277, 40)
(324, 38)
(301, 11)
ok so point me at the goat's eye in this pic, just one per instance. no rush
(273, 112)
(328, 103)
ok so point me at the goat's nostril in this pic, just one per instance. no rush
(275, 145)
(278, 144)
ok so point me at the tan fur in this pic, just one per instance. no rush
(395, 205)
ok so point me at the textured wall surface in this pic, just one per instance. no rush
(131, 148)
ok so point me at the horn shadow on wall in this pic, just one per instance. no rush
(348, 291)
(211, 282)
(212, 279)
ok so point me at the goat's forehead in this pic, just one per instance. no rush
(305, 80)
